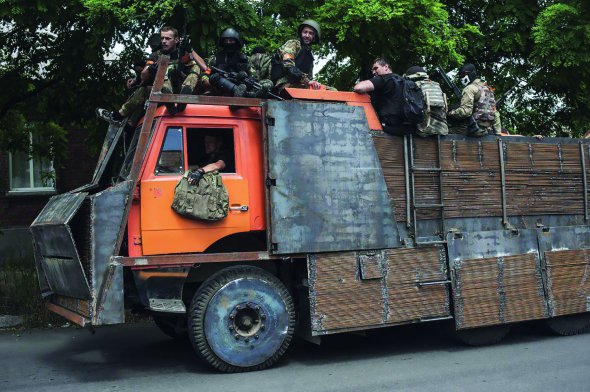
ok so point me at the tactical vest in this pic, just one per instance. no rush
(231, 61)
(304, 61)
(485, 109)
(208, 200)
(435, 113)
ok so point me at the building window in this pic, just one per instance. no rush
(30, 174)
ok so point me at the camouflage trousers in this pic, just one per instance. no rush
(133, 107)
(174, 82)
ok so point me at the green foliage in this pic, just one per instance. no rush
(54, 66)
(20, 295)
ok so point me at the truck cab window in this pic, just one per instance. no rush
(170, 160)
(208, 145)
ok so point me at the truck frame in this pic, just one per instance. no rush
(333, 226)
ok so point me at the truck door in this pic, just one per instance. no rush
(178, 146)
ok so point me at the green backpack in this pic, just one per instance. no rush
(435, 113)
(207, 200)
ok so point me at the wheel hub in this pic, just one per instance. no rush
(246, 321)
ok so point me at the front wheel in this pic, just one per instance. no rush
(241, 319)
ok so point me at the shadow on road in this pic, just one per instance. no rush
(141, 349)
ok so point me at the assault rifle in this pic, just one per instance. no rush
(243, 78)
(472, 124)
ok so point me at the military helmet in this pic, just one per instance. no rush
(314, 25)
(416, 72)
(230, 33)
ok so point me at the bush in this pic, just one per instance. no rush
(20, 295)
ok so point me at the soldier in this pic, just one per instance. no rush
(260, 62)
(435, 110)
(478, 100)
(292, 65)
(229, 58)
(386, 96)
(183, 73)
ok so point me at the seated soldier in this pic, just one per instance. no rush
(230, 59)
(215, 158)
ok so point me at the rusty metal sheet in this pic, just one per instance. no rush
(107, 217)
(327, 191)
(56, 252)
(496, 277)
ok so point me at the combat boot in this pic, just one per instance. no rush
(171, 106)
(185, 90)
(108, 116)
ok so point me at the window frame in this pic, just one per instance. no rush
(31, 189)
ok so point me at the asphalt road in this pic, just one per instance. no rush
(411, 358)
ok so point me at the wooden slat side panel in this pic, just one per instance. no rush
(406, 300)
(498, 290)
(342, 299)
(390, 151)
(472, 194)
(464, 155)
(568, 283)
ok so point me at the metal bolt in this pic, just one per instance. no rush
(263, 316)
(237, 336)
(246, 340)
(257, 307)
(256, 336)
(232, 316)
(262, 327)
(231, 327)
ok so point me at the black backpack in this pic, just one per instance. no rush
(413, 107)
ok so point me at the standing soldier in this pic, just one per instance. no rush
(386, 89)
(435, 110)
(477, 99)
(292, 65)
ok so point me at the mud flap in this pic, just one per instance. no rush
(496, 277)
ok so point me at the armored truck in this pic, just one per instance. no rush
(332, 226)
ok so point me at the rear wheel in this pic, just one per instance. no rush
(241, 319)
(572, 324)
(483, 336)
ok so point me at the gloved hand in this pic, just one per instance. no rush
(295, 74)
(195, 176)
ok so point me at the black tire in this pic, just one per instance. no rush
(483, 336)
(241, 319)
(171, 325)
(571, 324)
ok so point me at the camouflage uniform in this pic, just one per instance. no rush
(178, 76)
(467, 107)
(260, 63)
(133, 107)
(260, 66)
(291, 49)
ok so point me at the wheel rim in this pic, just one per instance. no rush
(246, 322)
